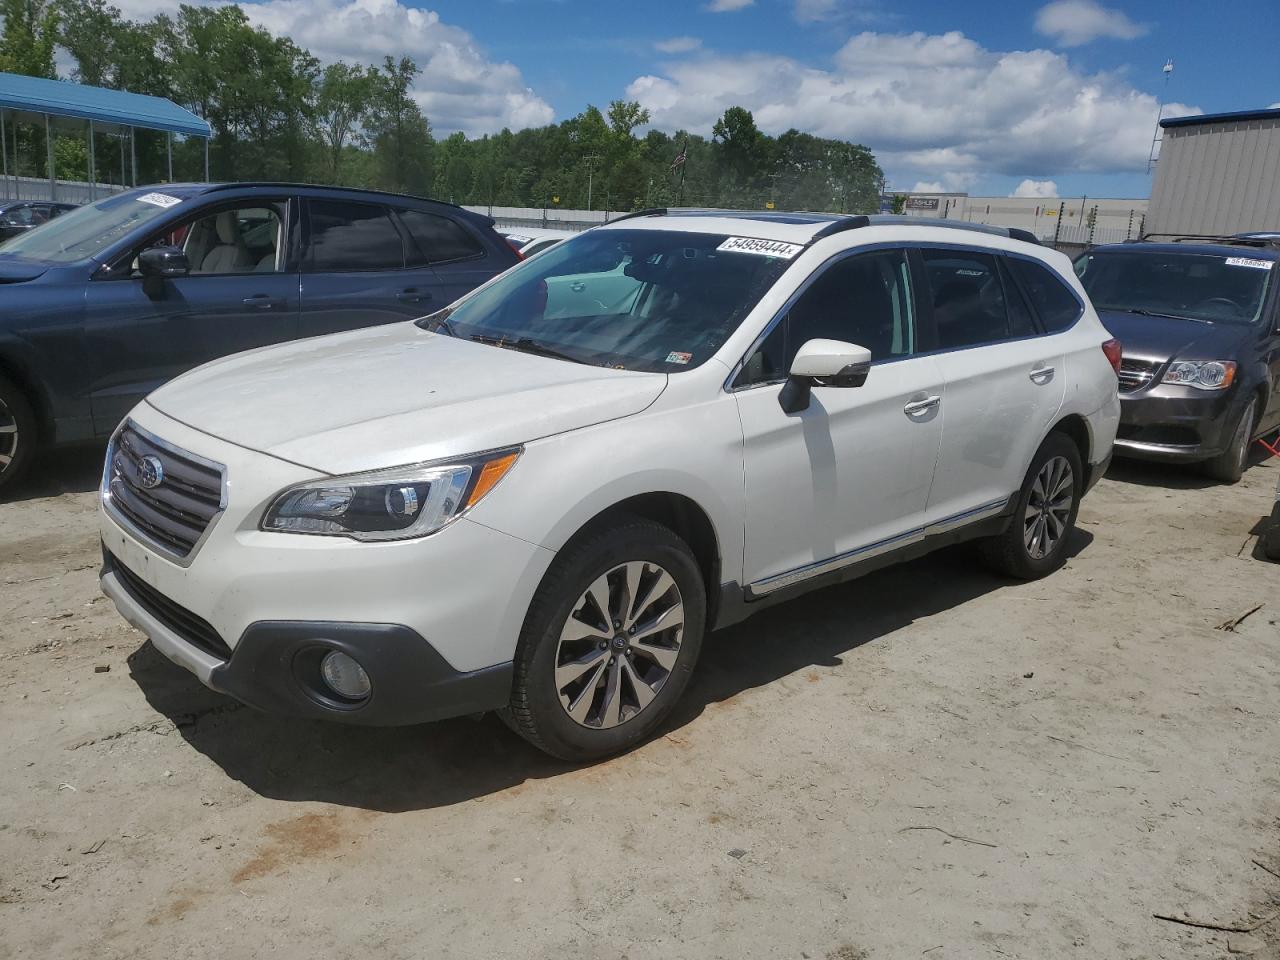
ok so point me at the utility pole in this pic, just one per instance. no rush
(1164, 95)
(591, 159)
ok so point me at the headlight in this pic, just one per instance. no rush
(1205, 374)
(395, 504)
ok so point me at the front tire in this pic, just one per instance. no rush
(17, 433)
(609, 643)
(1229, 466)
(1035, 542)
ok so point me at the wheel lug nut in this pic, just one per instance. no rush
(617, 624)
(603, 644)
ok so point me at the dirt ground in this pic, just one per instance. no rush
(929, 762)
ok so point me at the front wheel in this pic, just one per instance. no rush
(609, 642)
(17, 433)
(1229, 466)
(1035, 543)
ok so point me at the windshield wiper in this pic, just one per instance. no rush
(1156, 313)
(525, 345)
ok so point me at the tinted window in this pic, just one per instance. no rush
(863, 299)
(1052, 299)
(437, 239)
(1227, 288)
(352, 236)
(969, 303)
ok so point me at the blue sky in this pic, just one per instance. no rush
(988, 96)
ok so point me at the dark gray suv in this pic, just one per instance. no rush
(105, 303)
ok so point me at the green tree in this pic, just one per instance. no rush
(343, 102)
(400, 133)
(30, 34)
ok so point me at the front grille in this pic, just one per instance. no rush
(192, 629)
(170, 497)
(1135, 373)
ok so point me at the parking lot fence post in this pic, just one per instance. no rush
(4, 154)
(206, 159)
(133, 154)
(168, 139)
(48, 149)
(93, 167)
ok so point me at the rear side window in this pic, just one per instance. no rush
(970, 305)
(437, 239)
(348, 237)
(1051, 299)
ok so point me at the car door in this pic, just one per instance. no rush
(356, 269)
(241, 292)
(1004, 382)
(458, 261)
(848, 477)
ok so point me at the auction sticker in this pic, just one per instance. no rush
(160, 200)
(1248, 262)
(763, 248)
(679, 356)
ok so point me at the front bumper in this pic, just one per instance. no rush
(434, 621)
(1175, 423)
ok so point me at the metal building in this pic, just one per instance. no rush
(1218, 174)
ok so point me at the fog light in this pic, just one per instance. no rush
(345, 676)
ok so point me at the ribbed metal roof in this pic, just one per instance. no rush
(1237, 117)
(62, 99)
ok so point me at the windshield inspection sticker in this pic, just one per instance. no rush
(763, 248)
(159, 200)
(676, 356)
(1248, 262)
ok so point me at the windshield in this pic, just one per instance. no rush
(654, 300)
(1207, 287)
(85, 231)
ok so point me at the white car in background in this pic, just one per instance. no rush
(527, 241)
(539, 500)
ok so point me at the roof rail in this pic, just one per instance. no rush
(650, 212)
(891, 220)
(1265, 243)
(299, 185)
(841, 225)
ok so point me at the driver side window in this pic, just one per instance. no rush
(863, 299)
(231, 241)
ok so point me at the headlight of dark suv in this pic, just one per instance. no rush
(396, 504)
(1204, 374)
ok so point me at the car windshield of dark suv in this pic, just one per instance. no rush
(653, 300)
(87, 230)
(1195, 286)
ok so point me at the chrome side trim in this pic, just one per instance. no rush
(778, 581)
(1144, 447)
(123, 522)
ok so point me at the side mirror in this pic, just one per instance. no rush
(823, 363)
(157, 264)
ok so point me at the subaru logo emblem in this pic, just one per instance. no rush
(150, 472)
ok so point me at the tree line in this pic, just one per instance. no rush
(277, 113)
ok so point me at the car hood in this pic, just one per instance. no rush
(393, 395)
(1167, 338)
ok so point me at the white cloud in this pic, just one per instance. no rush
(677, 45)
(928, 186)
(1274, 106)
(809, 11)
(1035, 188)
(728, 6)
(933, 107)
(459, 88)
(1076, 22)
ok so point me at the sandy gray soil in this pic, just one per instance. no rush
(930, 762)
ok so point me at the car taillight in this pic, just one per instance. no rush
(1114, 351)
(516, 250)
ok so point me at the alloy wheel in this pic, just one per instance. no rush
(1048, 508)
(1240, 442)
(619, 645)
(9, 436)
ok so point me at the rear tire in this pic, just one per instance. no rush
(1035, 542)
(17, 434)
(591, 683)
(1229, 466)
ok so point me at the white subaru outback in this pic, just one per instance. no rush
(541, 499)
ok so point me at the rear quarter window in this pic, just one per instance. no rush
(438, 239)
(1051, 298)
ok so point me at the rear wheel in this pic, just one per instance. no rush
(1228, 466)
(1035, 543)
(17, 433)
(609, 643)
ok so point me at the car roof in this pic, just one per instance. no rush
(804, 228)
(199, 188)
(1202, 249)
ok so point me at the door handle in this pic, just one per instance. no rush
(1041, 375)
(263, 301)
(578, 286)
(412, 295)
(920, 406)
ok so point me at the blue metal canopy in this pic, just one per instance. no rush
(59, 98)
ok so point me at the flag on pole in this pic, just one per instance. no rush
(681, 157)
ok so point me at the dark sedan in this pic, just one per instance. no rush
(1200, 324)
(19, 216)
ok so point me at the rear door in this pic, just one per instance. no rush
(358, 269)
(1004, 382)
(458, 259)
(241, 293)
